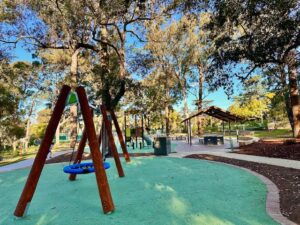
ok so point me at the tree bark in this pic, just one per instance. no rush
(294, 93)
(104, 64)
(73, 108)
(185, 104)
(122, 73)
(286, 96)
(200, 102)
(106, 96)
(57, 134)
(167, 118)
(27, 136)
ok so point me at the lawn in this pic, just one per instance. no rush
(10, 157)
(280, 133)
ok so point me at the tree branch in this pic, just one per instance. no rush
(107, 43)
(134, 34)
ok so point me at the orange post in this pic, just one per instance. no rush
(42, 153)
(120, 136)
(112, 144)
(101, 178)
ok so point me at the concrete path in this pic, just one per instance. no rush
(27, 162)
(183, 149)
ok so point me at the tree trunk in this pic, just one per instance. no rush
(104, 64)
(57, 134)
(73, 108)
(294, 93)
(106, 96)
(122, 73)
(200, 102)
(185, 104)
(122, 58)
(167, 118)
(286, 96)
(27, 136)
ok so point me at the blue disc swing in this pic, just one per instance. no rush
(80, 168)
(83, 168)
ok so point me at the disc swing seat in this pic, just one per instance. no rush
(83, 168)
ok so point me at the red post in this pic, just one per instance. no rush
(42, 153)
(111, 141)
(120, 136)
(101, 178)
(79, 154)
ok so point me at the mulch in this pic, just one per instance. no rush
(288, 149)
(286, 179)
(86, 156)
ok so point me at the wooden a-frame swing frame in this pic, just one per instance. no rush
(89, 135)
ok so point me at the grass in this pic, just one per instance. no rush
(280, 133)
(10, 157)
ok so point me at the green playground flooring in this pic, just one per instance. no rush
(155, 190)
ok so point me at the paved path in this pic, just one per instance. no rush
(184, 149)
(26, 163)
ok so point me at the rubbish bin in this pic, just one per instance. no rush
(162, 146)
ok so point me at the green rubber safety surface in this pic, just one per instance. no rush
(155, 190)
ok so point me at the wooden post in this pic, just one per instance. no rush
(120, 136)
(190, 127)
(136, 134)
(79, 154)
(187, 129)
(101, 178)
(143, 131)
(42, 153)
(111, 141)
(230, 138)
(125, 126)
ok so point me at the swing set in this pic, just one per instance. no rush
(89, 134)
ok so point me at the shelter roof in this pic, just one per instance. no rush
(218, 113)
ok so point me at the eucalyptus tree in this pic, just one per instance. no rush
(199, 47)
(16, 81)
(116, 20)
(51, 25)
(252, 35)
(182, 45)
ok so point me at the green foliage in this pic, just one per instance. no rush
(175, 122)
(254, 101)
(14, 78)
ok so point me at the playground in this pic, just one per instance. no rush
(173, 190)
(149, 112)
(155, 190)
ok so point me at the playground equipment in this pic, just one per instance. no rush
(89, 134)
(132, 135)
(83, 168)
